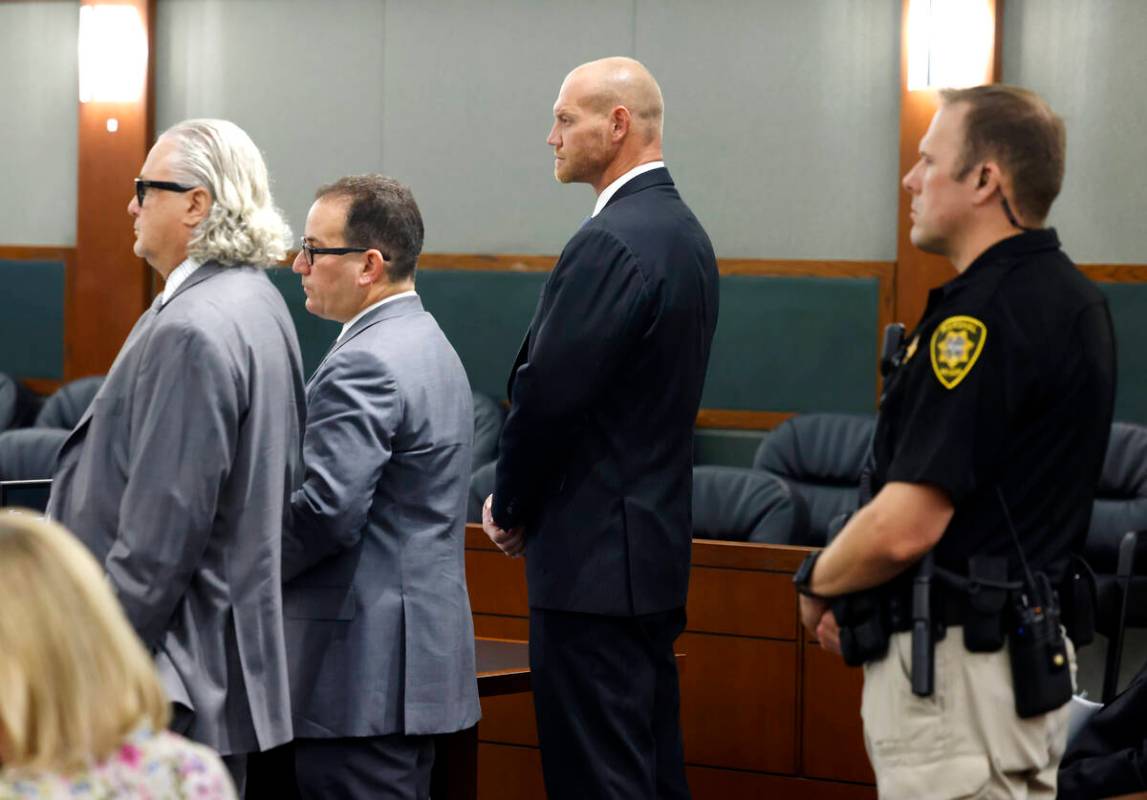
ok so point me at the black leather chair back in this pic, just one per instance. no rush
(65, 407)
(18, 404)
(746, 505)
(489, 417)
(821, 457)
(481, 487)
(1121, 496)
(30, 453)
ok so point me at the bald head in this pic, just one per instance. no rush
(620, 81)
(607, 120)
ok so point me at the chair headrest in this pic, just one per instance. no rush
(746, 505)
(7, 401)
(1124, 475)
(818, 448)
(30, 453)
(65, 407)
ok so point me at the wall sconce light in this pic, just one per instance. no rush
(950, 43)
(113, 54)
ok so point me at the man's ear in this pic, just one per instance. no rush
(989, 180)
(619, 122)
(373, 269)
(198, 206)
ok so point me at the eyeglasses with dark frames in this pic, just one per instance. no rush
(310, 252)
(141, 187)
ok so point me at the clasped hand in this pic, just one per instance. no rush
(511, 542)
(818, 618)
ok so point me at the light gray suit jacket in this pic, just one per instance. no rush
(379, 634)
(178, 478)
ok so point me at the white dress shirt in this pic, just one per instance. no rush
(178, 276)
(611, 190)
(372, 307)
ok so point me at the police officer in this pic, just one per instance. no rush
(990, 442)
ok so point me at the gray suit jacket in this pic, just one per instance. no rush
(178, 477)
(379, 634)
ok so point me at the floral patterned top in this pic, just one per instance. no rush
(149, 766)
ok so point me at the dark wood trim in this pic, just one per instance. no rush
(1115, 273)
(742, 420)
(487, 262)
(35, 252)
(744, 555)
(517, 262)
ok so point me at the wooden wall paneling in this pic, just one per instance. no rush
(723, 784)
(742, 603)
(497, 626)
(756, 701)
(509, 719)
(507, 772)
(111, 285)
(1115, 273)
(832, 739)
(738, 702)
(497, 583)
(741, 420)
(917, 271)
(748, 555)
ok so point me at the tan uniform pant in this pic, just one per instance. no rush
(963, 741)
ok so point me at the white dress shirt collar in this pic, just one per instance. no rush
(178, 276)
(609, 191)
(372, 307)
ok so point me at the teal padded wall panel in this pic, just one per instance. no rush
(485, 316)
(794, 344)
(1128, 303)
(725, 447)
(783, 344)
(315, 334)
(32, 323)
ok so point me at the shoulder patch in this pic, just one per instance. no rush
(956, 346)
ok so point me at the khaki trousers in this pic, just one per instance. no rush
(963, 741)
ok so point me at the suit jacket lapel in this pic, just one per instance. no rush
(202, 273)
(655, 177)
(395, 308)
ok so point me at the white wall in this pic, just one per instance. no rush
(781, 117)
(1087, 58)
(39, 88)
(781, 121)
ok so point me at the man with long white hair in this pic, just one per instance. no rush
(178, 475)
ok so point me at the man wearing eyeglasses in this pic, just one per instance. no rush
(379, 635)
(178, 475)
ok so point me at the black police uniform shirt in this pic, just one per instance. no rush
(1008, 381)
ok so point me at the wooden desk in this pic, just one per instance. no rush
(503, 667)
(764, 711)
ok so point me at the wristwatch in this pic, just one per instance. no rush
(803, 576)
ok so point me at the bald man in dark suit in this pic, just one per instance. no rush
(595, 468)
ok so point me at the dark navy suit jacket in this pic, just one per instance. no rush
(596, 455)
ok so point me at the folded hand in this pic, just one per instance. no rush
(511, 542)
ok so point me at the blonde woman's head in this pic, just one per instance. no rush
(74, 678)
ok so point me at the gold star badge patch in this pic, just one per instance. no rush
(956, 345)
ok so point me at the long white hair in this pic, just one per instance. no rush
(243, 226)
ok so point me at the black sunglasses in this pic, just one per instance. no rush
(310, 252)
(141, 187)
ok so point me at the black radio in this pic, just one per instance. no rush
(1041, 673)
